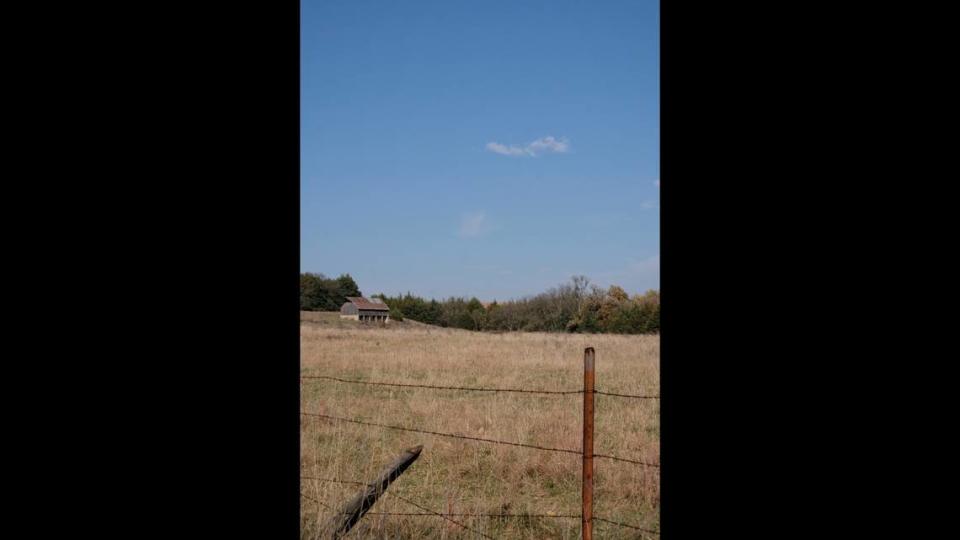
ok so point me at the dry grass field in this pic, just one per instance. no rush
(461, 476)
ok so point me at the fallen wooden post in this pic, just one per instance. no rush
(341, 523)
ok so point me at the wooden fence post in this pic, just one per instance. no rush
(341, 523)
(588, 377)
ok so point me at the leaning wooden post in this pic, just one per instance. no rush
(587, 515)
(340, 524)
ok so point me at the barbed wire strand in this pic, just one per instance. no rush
(436, 387)
(644, 463)
(601, 392)
(455, 514)
(474, 388)
(455, 436)
(334, 480)
(441, 515)
(428, 514)
(559, 516)
(431, 512)
(626, 525)
(451, 435)
(316, 501)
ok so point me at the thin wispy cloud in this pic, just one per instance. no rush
(547, 145)
(473, 224)
(544, 145)
(636, 275)
(656, 182)
(634, 268)
(650, 265)
(505, 150)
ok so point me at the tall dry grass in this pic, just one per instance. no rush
(458, 476)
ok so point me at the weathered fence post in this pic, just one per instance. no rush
(341, 523)
(588, 376)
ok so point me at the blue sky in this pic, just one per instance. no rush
(489, 149)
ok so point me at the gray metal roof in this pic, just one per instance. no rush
(363, 303)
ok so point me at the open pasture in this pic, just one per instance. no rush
(456, 476)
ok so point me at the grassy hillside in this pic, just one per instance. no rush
(459, 476)
(331, 319)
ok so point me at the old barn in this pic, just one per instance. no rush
(361, 309)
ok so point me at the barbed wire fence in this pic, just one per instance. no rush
(447, 516)
(472, 388)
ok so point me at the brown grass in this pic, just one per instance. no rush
(460, 476)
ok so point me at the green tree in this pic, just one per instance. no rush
(314, 295)
(319, 293)
(433, 313)
(346, 286)
(478, 315)
(617, 293)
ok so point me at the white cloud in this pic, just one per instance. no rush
(657, 182)
(548, 144)
(473, 224)
(544, 145)
(647, 205)
(650, 265)
(505, 150)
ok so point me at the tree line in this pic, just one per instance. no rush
(320, 293)
(576, 306)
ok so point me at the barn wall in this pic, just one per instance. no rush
(374, 315)
(349, 310)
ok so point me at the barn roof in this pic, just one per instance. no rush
(363, 303)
